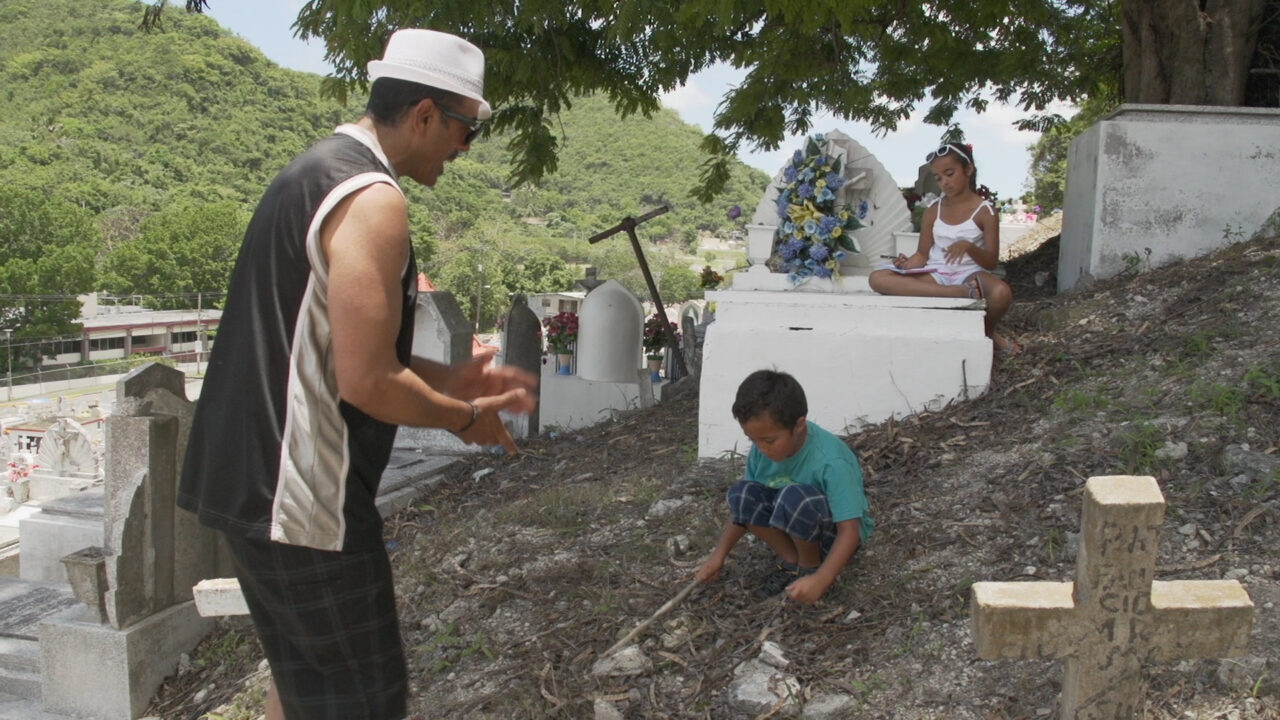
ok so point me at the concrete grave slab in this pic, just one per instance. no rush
(861, 357)
(62, 526)
(23, 605)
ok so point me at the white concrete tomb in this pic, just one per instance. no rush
(860, 356)
(608, 363)
(1152, 183)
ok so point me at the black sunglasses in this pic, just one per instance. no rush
(474, 125)
(946, 149)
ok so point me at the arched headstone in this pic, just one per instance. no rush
(609, 334)
(869, 191)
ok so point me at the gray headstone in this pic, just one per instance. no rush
(522, 345)
(440, 330)
(141, 479)
(925, 182)
(135, 388)
(689, 339)
(155, 553)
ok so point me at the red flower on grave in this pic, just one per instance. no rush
(562, 331)
(655, 335)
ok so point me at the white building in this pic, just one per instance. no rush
(111, 332)
(546, 305)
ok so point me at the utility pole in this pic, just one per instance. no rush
(479, 290)
(199, 332)
(8, 355)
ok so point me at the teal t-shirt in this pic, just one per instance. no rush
(826, 463)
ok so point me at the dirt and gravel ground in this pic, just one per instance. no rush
(513, 584)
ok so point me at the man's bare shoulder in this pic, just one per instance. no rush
(378, 197)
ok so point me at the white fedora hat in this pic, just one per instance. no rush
(437, 59)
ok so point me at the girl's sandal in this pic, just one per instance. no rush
(975, 287)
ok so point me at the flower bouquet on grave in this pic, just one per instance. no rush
(562, 332)
(562, 335)
(655, 340)
(814, 231)
(19, 470)
(710, 279)
(655, 336)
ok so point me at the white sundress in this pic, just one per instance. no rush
(944, 236)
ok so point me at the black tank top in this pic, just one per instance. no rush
(274, 453)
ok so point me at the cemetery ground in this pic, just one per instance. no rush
(516, 573)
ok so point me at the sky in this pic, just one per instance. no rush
(1001, 150)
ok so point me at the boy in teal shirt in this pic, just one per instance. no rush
(801, 494)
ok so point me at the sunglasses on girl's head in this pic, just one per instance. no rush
(944, 150)
(474, 125)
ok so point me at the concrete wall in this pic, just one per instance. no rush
(1154, 183)
(1075, 249)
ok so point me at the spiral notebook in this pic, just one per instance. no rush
(911, 271)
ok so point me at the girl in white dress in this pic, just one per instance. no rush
(959, 246)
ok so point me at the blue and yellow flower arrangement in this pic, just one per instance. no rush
(814, 232)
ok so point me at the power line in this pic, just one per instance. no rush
(116, 298)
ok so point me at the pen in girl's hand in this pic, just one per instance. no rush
(888, 257)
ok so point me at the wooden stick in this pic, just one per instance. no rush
(671, 604)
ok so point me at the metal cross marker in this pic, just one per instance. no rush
(629, 224)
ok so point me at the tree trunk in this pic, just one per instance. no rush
(1189, 52)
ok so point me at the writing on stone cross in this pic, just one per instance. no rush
(628, 225)
(1115, 617)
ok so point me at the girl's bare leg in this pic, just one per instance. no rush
(888, 282)
(999, 299)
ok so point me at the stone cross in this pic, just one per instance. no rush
(590, 281)
(1115, 617)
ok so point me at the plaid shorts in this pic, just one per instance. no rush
(798, 510)
(327, 622)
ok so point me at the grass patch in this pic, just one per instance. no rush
(1138, 444)
(562, 508)
(1079, 401)
(448, 648)
(1225, 400)
(1263, 381)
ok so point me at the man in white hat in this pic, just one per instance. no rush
(312, 373)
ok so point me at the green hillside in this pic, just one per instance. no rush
(152, 135)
